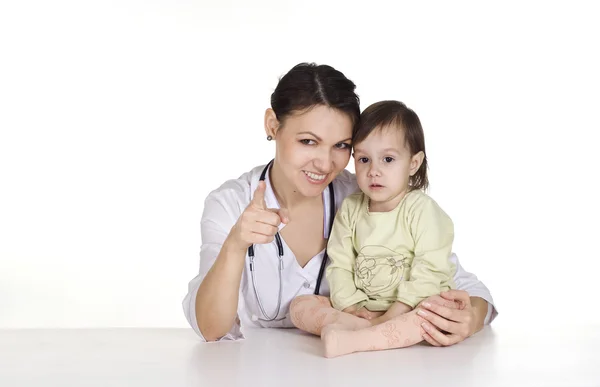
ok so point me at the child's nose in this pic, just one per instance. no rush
(373, 171)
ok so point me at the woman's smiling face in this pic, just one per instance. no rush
(313, 147)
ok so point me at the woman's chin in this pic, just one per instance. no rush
(311, 190)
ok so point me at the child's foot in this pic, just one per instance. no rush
(335, 326)
(336, 341)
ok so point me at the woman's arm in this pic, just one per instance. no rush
(217, 297)
(478, 310)
(481, 308)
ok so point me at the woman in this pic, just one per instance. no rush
(264, 234)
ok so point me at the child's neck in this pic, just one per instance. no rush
(388, 205)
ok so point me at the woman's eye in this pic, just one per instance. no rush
(308, 142)
(342, 145)
(388, 159)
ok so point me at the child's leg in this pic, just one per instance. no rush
(312, 313)
(401, 331)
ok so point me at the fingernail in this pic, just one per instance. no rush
(425, 326)
(422, 313)
(427, 304)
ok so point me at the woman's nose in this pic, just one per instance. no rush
(324, 162)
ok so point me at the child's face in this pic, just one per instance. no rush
(383, 166)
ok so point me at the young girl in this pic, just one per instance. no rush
(390, 243)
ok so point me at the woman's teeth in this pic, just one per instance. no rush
(314, 176)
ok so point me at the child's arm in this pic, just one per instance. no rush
(432, 271)
(340, 272)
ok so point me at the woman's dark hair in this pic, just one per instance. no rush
(308, 85)
(395, 114)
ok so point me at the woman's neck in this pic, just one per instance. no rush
(285, 191)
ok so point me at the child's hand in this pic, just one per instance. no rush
(367, 314)
(397, 309)
(362, 312)
(351, 309)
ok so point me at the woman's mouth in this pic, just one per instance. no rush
(314, 178)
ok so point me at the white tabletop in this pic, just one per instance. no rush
(270, 357)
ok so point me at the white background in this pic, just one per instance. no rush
(117, 119)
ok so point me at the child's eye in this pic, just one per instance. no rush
(342, 145)
(388, 159)
(363, 160)
(308, 142)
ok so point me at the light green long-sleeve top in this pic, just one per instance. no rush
(378, 258)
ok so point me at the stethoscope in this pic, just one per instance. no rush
(280, 253)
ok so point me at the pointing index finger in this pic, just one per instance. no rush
(258, 200)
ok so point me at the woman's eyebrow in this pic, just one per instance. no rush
(319, 138)
(312, 134)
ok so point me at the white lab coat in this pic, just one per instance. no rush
(223, 207)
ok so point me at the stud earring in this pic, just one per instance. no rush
(269, 138)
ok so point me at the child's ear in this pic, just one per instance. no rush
(415, 162)
(271, 123)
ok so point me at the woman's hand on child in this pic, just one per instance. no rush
(450, 312)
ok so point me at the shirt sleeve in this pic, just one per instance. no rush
(431, 272)
(340, 272)
(471, 284)
(216, 222)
